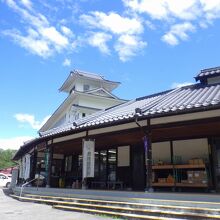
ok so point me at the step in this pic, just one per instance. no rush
(131, 204)
(110, 213)
(120, 209)
(157, 201)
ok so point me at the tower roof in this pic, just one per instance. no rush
(78, 74)
(208, 73)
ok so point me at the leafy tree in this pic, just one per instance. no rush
(6, 158)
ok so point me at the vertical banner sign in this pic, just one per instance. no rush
(21, 168)
(27, 166)
(145, 140)
(46, 161)
(88, 158)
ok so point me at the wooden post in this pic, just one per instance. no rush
(149, 157)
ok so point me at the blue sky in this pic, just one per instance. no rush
(147, 45)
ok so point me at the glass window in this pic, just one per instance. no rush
(68, 163)
(112, 165)
(80, 162)
(96, 164)
(85, 87)
(103, 164)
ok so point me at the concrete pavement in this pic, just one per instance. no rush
(11, 209)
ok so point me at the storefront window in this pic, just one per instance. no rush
(103, 163)
(112, 165)
(68, 163)
(96, 164)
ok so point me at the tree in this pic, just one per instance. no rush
(6, 158)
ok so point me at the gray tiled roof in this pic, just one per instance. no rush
(179, 100)
(89, 75)
(208, 72)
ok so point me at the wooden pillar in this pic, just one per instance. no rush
(48, 164)
(149, 157)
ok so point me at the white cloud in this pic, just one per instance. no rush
(55, 37)
(125, 31)
(27, 3)
(166, 9)
(191, 14)
(41, 38)
(66, 31)
(178, 85)
(128, 45)
(113, 23)
(14, 142)
(99, 40)
(67, 62)
(31, 42)
(178, 32)
(30, 119)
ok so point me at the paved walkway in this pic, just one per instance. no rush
(206, 200)
(11, 209)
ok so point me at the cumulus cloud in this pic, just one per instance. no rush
(178, 85)
(27, 3)
(30, 119)
(178, 32)
(99, 40)
(112, 22)
(66, 31)
(128, 45)
(67, 62)
(41, 38)
(126, 32)
(177, 15)
(14, 142)
(122, 31)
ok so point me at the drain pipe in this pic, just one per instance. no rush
(147, 149)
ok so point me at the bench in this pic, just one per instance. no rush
(114, 184)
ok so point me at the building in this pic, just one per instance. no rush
(87, 93)
(169, 140)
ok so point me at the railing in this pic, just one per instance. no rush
(25, 185)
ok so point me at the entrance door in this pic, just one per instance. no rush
(138, 168)
(217, 163)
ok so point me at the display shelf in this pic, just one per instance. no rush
(161, 167)
(192, 185)
(189, 166)
(163, 184)
(179, 172)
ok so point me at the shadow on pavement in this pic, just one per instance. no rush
(7, 191)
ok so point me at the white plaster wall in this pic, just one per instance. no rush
(97, 102)
(161, 151)
(92, 85)
(193, 148)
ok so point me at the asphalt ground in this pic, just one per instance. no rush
(12, 209)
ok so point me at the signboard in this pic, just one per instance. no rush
(123, 156)
(25, 164)
(88, 158)
(46, 160)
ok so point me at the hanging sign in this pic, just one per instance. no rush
(27, 165)
(145, 140)
(88, 158)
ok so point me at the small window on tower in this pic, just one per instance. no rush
(73, 89)
(85, 87)
(83, 115)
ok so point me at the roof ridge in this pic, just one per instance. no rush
(152, 95)
(210, 69)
